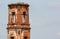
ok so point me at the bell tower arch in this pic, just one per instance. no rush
(18, 26)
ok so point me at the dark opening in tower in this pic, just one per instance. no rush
(11, 37)
(24, 14)
(25, 37)
(13, 17)
(13, 13)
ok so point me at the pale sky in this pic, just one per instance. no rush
(44, 15)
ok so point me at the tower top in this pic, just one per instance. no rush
(18, 21)
(19, 4)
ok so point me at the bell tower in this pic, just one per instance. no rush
(18, 26)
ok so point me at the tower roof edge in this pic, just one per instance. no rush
(19, 3)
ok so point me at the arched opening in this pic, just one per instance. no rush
(13, 13)
(11, 37)
(25, 37)
(24, 13)
(23, 17)
(13, 17)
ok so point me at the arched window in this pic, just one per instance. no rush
(25, 37)
(11, 37)
(13, 17)
(24, 13)
(13, 13)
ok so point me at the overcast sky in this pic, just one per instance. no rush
(44, 16)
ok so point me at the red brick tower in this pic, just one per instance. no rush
(18, 21)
